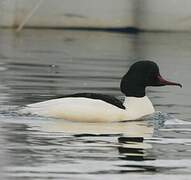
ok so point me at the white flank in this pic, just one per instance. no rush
(91, 110)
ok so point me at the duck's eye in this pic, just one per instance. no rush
(152, 78)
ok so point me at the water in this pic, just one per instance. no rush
(40, 64)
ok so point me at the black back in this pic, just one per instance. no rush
(107, 98)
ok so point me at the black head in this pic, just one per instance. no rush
(140, 75)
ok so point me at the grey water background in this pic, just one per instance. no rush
(36, 65)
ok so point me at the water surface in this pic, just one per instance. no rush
(41, 64)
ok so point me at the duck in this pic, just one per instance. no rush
(95, 107)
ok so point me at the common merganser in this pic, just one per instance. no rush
(93, 107)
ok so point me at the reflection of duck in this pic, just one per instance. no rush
(133, 148)
(128, 128)
(91, 107)
(127, 137)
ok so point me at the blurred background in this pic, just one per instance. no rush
(50, 48)
(171, 15)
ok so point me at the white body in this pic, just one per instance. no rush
(91, 110)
